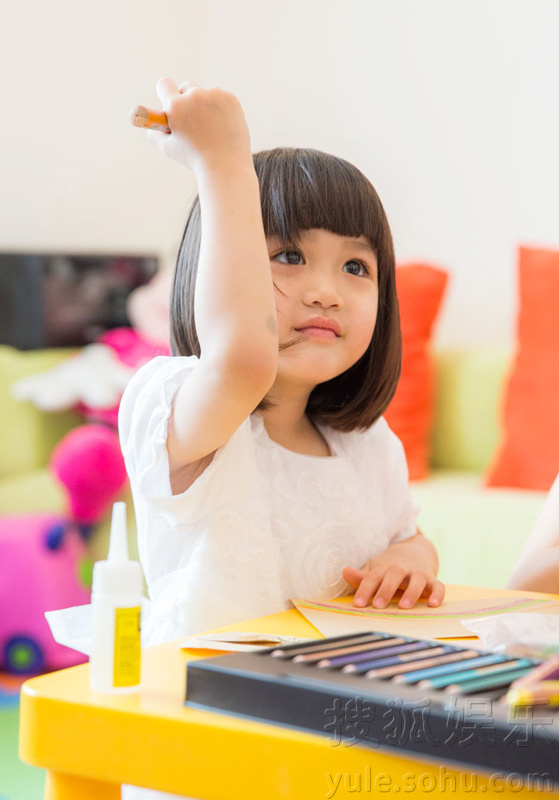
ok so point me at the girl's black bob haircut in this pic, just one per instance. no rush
(301, 190)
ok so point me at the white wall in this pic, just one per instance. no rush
(75, 174)
(451, 107)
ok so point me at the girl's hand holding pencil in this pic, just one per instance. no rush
(204, 129)
(142, 117)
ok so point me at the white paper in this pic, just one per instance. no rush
(73, 627)
(529, 635)
(239, 641)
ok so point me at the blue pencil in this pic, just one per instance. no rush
(458, 666)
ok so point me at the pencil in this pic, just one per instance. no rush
(142, 117)
(390, 648)
(480, 672)
(544, 693)
(292, 650)
(546, 671)
(390, 661)
(502, 678)
(432, 674)
(447, 657)
(338, 651)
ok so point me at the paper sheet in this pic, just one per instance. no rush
(238, 641)
(338, 617)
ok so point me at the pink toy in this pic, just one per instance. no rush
(132, 350)
(89, 462)
(40, 553)
(36, 577)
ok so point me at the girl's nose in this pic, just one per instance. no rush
(322, 293)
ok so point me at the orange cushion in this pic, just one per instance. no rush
(410, 414)
(528, 454)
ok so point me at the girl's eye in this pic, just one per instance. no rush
(290, 255)
(356, 268)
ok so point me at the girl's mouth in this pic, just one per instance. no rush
(319, 333)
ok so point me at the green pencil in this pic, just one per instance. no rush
(501, 678)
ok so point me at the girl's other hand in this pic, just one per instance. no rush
(405, 568)
(208, 127)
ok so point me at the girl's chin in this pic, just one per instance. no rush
(307, 376)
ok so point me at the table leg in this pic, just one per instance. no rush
(60, 786)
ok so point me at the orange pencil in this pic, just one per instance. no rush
(142, 117)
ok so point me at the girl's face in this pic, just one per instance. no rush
(326, 301)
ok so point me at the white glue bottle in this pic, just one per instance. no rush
(116, 606)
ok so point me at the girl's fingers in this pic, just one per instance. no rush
(438, 590)
(391, 581)
(421, 586)
(367, 588)
(186, 85)
(353, 576)
(157, 138)
(383, 587)
(166, 90)
(416, 587)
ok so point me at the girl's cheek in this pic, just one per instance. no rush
(367, 327)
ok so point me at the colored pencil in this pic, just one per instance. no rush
(142, 117)
(389, 672)
(422, 674)
(291, 650)
(546, 671)
(389, 661)
(396, 647)
(502, 678)
(540, 686)
(478, 672)
(308, 658)
(543, 693)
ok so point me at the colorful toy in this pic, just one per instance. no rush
(34, 578)
(89, 462)
(42, 554)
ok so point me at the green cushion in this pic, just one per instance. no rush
(28, 435)
(32, 492)
(478, 532)
(469, 386)
(18, 781)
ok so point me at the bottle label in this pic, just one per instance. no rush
(127, 653)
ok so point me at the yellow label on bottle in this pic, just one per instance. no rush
(127, 653)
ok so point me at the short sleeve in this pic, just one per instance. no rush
(143, 422)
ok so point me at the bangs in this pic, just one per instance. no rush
(303, 189)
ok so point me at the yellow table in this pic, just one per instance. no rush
(90, 744)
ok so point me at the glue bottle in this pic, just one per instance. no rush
(116, 606)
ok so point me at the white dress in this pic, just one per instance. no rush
(261, 524)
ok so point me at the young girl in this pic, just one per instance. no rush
(537, 569)
(260, 464)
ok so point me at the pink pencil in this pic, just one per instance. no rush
(546, 671)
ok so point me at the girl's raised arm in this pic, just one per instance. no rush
(234, 302)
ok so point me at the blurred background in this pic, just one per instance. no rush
(450, 108)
